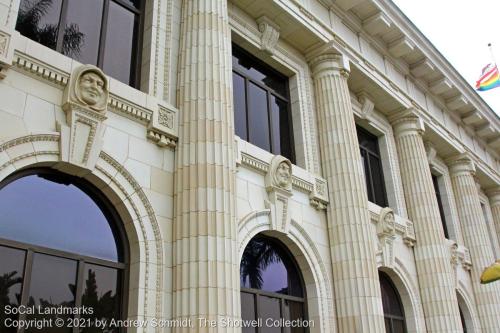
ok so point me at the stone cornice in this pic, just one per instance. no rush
(436, 58)
(494, 196)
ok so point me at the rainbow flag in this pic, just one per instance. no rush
(490, 78)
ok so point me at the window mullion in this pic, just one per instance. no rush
(270, 120)
(61, 27)
(102, 37)
(247, 106)
(25, 291)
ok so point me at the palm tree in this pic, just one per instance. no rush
(257, 257)
(29, 25)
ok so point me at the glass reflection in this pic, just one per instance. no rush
(248, 311)
(53, 284)
(11, 279)
(39, 21)
(86, 17)
(119, 40)
(294, 311)
(265, 266)
(56, 215)
(258, 121)
(100, 294)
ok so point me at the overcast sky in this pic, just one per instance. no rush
(461, 31)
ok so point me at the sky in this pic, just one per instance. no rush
(461, 31)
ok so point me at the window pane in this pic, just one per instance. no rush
(294, 311)
(367, 140)
(11, 280)
(82, 32)
(38, 20)
(388, 328)
(248, 311)
(282, 144)
(53, 284)
(120, 34)
(398, 326)
(269, 308)
(390, 298)
(240, 114)
(378, 181)
(258, 118)
(366, 168)
(259, 72)
(100, 293)
(47, 212)
(134, 3)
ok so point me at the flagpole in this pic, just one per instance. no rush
(491, 53)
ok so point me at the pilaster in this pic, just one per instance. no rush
(476, 238)
(205, 264)
(432, 259)
(357, 295)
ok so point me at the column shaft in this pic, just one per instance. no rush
(356, 283)
(205, 272)
(437, 290)
(494, 197)
(476, 240)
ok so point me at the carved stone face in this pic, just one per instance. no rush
(283, 174)
(389, 218)
(91, 87)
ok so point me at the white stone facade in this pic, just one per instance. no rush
(191, 194)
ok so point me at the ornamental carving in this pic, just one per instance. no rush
(88, 88)
(279, 174)
(386, 224)
(165, 118)
(85, 102)
(270, 34)
(3, 44)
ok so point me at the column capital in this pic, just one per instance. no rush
(407, 122)
(461, 163)
(494, 195)
(330, 61)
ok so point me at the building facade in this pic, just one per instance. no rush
(313, 163)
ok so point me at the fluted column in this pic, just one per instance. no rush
(355, 276)
(494, 196)
(432, 258)
(476, 240)
(205, 272)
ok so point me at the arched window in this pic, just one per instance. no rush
(60, 248)
(393, 309)
(104, 33)
(271, 286)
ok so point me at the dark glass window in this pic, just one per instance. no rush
(271, 285)
(59, 246)
(393, 309)
(440, 204)
(372, 164)
(261, 105)
(462, 320)
(104, 33)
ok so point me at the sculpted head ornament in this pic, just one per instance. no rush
(386, 222)
(89, 87)
(280, 173)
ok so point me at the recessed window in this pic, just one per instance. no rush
(60, 246)
(393, 309)
(271, 286)
(435, 182)
(104, 33)
(372, 165)
(261, 105)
